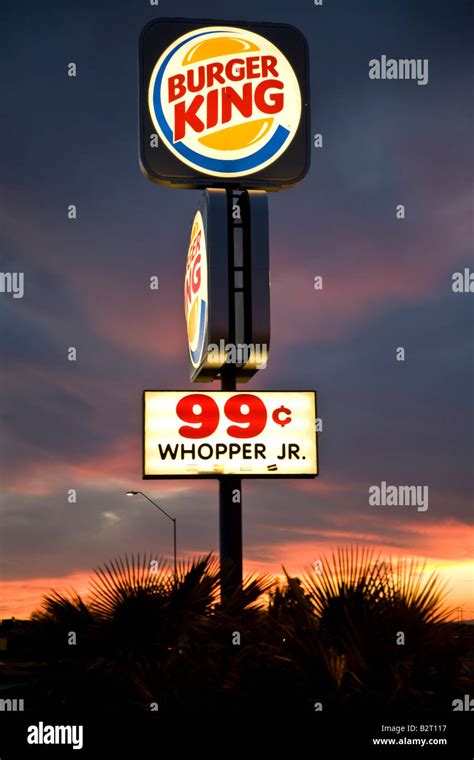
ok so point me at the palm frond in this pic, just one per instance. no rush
(125, 578)
(62, 609)
(250, 597)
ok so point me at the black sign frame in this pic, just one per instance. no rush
(162, 167)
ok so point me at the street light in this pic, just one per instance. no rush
(173, 520)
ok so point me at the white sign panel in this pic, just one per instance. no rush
(265, 433)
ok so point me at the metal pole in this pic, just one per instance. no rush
(175, 550)
(230, 518)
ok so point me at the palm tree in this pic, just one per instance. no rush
(376, 624)
(362, 632)
(159, 637)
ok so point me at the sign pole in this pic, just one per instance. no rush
(230, 527)
(230, 486)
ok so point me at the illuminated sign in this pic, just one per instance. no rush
(206, 294)
(196, 295)
(226, 102)
(258, 434)
(226, 285)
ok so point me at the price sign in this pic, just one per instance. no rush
(260, 434)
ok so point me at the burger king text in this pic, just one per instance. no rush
(265, 93)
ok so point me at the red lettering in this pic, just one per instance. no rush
(176, 88)
(254, 420)
(235, 69)
(212, 108)
(196, 273)
(253, 66)
(269, 65)
(183, 116)
(187, 293)
(206, 416)
(199, 76)
(232, 98)
(216, 106)
(276, 99)
(195, 246)
(214, 71)
(192, 280)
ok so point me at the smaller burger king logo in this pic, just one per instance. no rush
(195, 291)
(224, 100)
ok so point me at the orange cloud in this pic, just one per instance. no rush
(297, 556)
(445, 547)
(19, 598)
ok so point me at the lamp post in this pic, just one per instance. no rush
(173, 520)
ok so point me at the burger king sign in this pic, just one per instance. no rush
(206, 300)
(223, 104)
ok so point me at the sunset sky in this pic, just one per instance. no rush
(387, 283)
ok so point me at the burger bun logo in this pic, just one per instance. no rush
(225, 101)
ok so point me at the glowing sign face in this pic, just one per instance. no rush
(206, 298)
(225, 100)
(196, 302)
(223, 104)
(260, 434)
